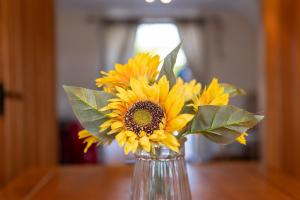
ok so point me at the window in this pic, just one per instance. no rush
(160, 38)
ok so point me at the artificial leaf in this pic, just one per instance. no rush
(223, 124)
(188, 108)
(86, 104)
(232, 90)
(259, 117)
(168, 66)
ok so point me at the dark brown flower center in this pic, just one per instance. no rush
(144, 116)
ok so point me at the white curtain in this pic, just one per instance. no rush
(116, 42)
(117, 45)
(193, 35)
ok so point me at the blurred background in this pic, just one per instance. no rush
(253, 44)
(220, 39)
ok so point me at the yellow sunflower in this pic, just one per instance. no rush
(213, 95)
(89, 139)
(142, 65)
(191, 88)
(145, 115)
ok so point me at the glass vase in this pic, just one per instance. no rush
(160, 176)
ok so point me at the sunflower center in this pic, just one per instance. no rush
(144, 116)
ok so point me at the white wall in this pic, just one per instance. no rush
(78, 54)
(233, 57)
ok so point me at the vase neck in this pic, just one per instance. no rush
(161, 153)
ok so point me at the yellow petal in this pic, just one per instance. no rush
(121, 138)
(175, 109)
(163, 85)
(117, 125)
(179, 122)
(142, 133)
(131, 138)
(191, 89)
(89, 141)
(130, 133)
(104, 109)
(124, 95)
(105, 125)
(112, 115)
(131, 146)
(155, 93)
(179, 81)
(137, 88)
(87, 146)
(145, 143)
(221, 100)
(134, 147)
(113, 131)
(114, 100)
(157, 136)
(171, 142)
(242, 139)
(128, 147)
(174, 101)
(83, 134)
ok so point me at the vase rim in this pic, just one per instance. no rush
(161, 153)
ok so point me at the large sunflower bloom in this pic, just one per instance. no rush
(142, 65)
(145, 115)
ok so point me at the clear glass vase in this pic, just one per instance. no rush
(160, 176)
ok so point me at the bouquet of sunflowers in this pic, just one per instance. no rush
(143, 108)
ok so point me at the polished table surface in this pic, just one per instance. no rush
(224, 181)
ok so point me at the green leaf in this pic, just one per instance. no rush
(223, 124)
(86, 104)
(232, 90)
(168, 66)
(188, 109)
(259, 117)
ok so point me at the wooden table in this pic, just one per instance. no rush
(224, 181)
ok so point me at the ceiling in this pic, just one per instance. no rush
(177, 8)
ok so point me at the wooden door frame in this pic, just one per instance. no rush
(27, 59)
(281, 22)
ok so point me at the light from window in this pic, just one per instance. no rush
(160, 38)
